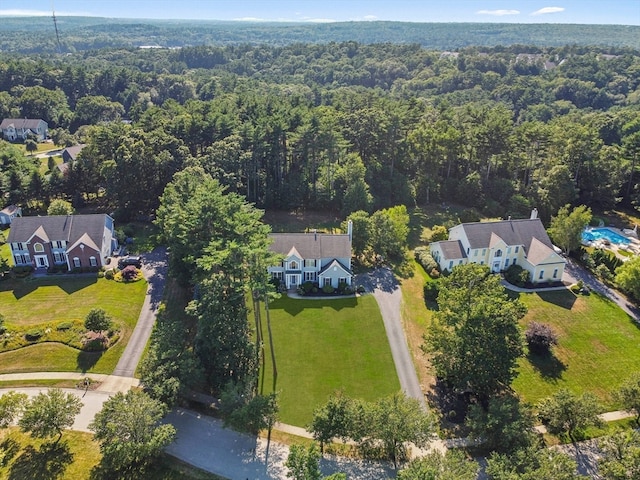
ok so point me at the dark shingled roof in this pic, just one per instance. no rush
(452, 249)
(9, 209)
(70, 153)
(59, 227)
(513, 232)
(312, 245)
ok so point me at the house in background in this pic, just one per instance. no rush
(75, 241)
(501, 244)
(321, 258)
(14, 129)
(70, 154)
(8, 213)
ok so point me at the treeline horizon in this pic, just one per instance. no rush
(37, 34)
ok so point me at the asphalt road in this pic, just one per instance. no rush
(387, 293)
(155, 271)
(91, 403)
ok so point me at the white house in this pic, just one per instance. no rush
(19, 128)
(321, 258)
(501, 244)
(8, 213)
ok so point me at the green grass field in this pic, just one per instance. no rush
(597, 351)
(75, 457)
(326, 345)
(57, 299)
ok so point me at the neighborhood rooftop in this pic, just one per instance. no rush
(59, 227)
(20, 123)
(513, 232)
(312, 245)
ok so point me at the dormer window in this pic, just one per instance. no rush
(293, 265)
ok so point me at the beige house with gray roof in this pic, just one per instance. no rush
(501, 244)
(320, 258)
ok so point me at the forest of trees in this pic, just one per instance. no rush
(37, 35)
(340, 126)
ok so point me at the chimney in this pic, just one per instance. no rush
(350, 230)
(509, 218)
(315, 234)
(534, 213)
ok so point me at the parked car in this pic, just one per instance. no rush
(134, 260)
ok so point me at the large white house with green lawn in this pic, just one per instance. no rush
(320, 258)
(501, 244)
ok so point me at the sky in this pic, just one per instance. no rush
(623, 12)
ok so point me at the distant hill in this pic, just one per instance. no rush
(37, 34)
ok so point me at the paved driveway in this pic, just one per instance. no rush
(155, 271)
(382, 283)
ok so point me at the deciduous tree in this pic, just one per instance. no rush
(129, 430)
(565, 412)
(567, 226)
(452, 465)
(620, 456)
(533, 464)
(60, 207)
(11, 406)
(475, 341)
(628, 276)
(48, 414)
(97, 320)
(629, 395)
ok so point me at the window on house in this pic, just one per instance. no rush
(93, 262)
(475, 253)
(481, 262)
(459, 262)
(498, 253)
(327, 281)
(506, 263)
(38, 247)
(76, 262)
(555, 273)
(309, 276)
(467, 250)
(342, 280)
(20, 246)
(58, 257)
(278, 275)
(484, 251)
(293, 265)
(517, 248)
(450, 264)
(541, 274)
(508, 250)
(310, 263)
(515, 261)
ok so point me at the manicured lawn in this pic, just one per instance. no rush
(75, 457)
(48, 301)
(598, 347)
(327, 345)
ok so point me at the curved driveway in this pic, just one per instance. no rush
(387, 293)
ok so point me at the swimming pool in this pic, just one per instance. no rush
(596, 234)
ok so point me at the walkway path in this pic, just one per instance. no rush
(387, 292)
(155, 271)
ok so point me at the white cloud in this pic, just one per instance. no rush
(546, 10)
(370, 18)
(250, 19)
(498, 13)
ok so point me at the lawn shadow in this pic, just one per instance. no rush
(9, 448)
(68, 285)
(87, 360)
(547, 365)
(293, 306)
(49, 462)
(561, 298)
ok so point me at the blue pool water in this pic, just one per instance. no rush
(604, 234)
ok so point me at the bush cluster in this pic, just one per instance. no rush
(424, 258)
(540, 337)
(516, 275)
(33, 334)
(431, 290)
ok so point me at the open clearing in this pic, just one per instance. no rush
(327, 345)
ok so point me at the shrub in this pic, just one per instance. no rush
(100, 274)
(424, 258)
(22, 271)
(435, 273)
(307, 287)
(33, 335)
(109, 274)
(540, 337)
(274, 281)
(97, 320)
(328, 289)
(3, 328)
(431, 290)
(360, 289)
(516, 275)
(603, 272)
(438, 233)
(64, 326)
(130, 273)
